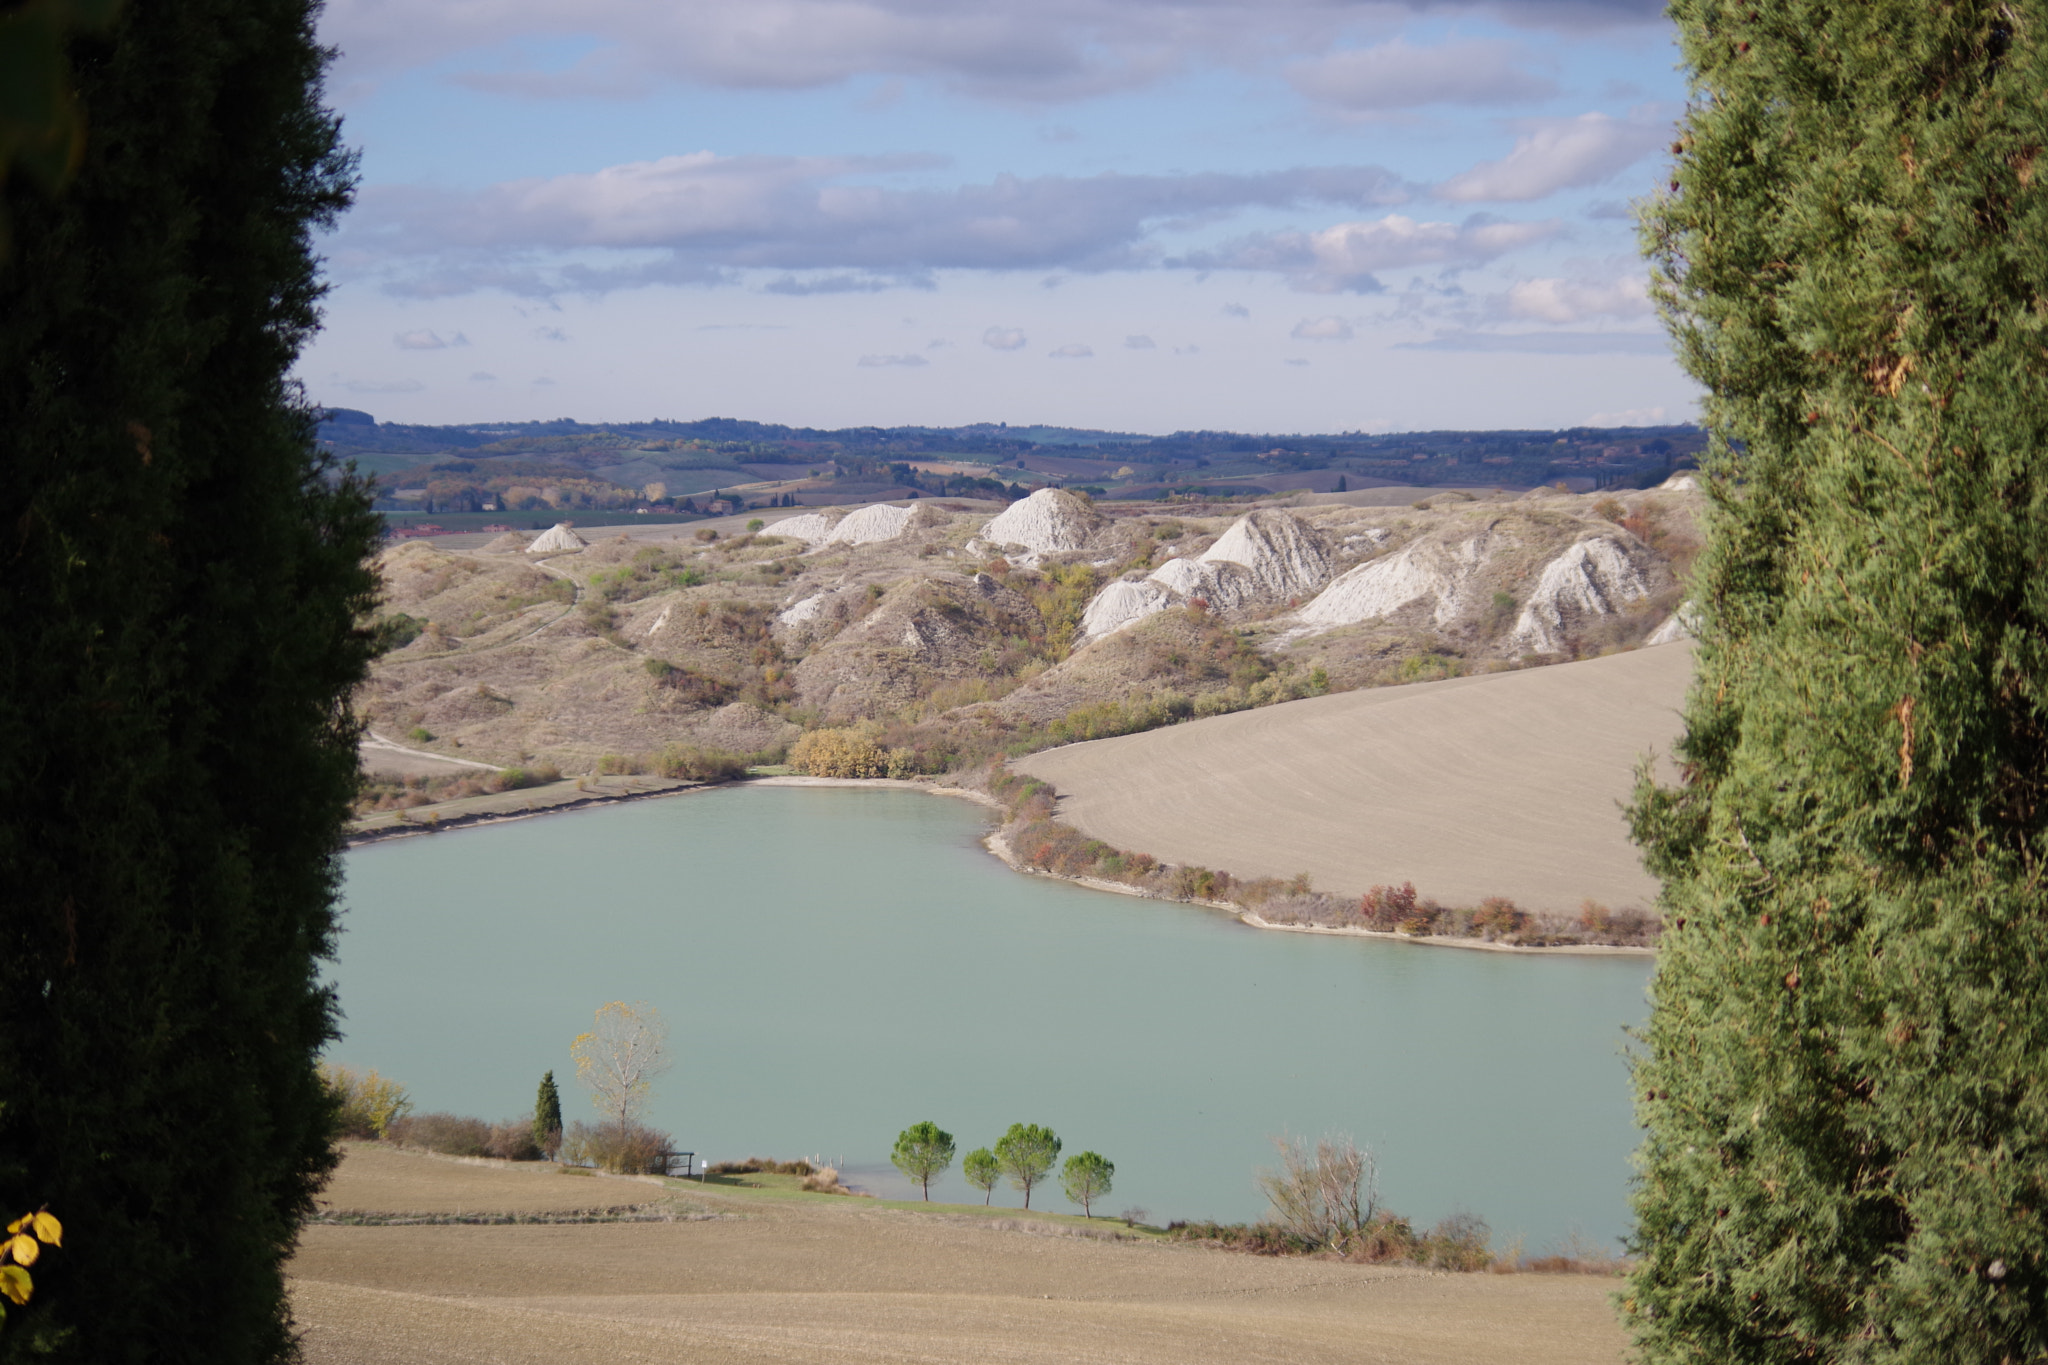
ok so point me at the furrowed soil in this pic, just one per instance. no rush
(1501, 784)
(772, 1275)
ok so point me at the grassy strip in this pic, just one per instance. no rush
(1042, 843)
(623, 1213)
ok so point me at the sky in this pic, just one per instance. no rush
(1283, 216)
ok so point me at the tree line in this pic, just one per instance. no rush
(1024, 1155)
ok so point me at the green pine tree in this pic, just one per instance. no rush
(547, 1116)
(184, 578)
(1845, 1080)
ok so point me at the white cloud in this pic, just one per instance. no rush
(1347, 255)
(427, 341)
(1396, 76)
(1322, 329)
(483, 377)
(1558, 154)
(1545, 343)
(879, 361)
(1294, 360)
(1004, 338)
(382, 385)
(550, 334)
(1034, 51)
(1568, 301)
(707, 216)
(1236, 310)
(1073, 350)
(1140, 343)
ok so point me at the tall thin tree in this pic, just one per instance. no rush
(184, 578)
(1845, 1084)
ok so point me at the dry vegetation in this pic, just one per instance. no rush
(941, 649)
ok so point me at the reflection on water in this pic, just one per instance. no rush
(836, 964)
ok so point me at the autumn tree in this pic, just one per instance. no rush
(185, 578)
(1845, 1079)
(923, 1150)
(1025, 1154)
(619, 1060)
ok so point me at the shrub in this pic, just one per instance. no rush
(1324, 1196)
(448, 1134)
(824, 1180)
(1387, 907)
(837, 753)
(757, 1165)
(1498, 917)
(694, 763)
(634, 1149)
(367, 1104)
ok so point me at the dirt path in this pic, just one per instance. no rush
(811, 1278)
(1503, 784)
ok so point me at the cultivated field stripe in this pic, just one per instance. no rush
(1501, 784)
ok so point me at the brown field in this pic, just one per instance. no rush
(794, 1278)
(1500, 784)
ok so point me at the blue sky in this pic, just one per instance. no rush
(1265, 215)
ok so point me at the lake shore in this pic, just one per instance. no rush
(584, 793)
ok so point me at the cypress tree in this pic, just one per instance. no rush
(178, 641)
(1845, 1078)
(547, 1116)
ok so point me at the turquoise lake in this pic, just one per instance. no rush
(835, 964)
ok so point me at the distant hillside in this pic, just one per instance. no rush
(953, 631)
(536, 467)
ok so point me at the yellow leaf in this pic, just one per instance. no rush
(24, 1248)
(15, 1283)
(18, 1224)
(49, 1229)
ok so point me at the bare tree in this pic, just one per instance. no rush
(619, 1060)
(1324, 1196)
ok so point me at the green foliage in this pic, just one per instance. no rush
(395, 631)
(184, 605)
(365, 1103)
(1025, 1154)
(923, 1150)
(1085, 1178)
(1845, 1078)
(420, 734)
(547, 1116)
(981, 1170)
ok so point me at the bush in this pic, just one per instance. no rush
(693, 763)
(367, 1104)
(635, 1149)
(757, 1165)
(838, 753)
(447, 1134)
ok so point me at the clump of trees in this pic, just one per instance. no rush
(1845, 1080)
(365, 1103)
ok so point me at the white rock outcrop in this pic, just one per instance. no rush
(555, 540)
(1443, 576)
(796, 613)
(812, 528)
(876, 521)
(1266, 558)
(1679, 483)
(1123, 603)
(1049, 522)
(1677, 626)
(1594, 577)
